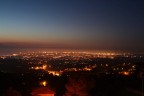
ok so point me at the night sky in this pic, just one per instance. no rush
(75, 24)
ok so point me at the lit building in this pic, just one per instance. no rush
(42, 91)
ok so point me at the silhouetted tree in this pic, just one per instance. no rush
(79, 86)
(12, 92)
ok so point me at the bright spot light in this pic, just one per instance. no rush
(126, 73)
(43, 83)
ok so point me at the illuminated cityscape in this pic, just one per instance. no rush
(71, 48)
(43, 64)
(57, 63)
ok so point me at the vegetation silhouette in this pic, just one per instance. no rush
(79, 86)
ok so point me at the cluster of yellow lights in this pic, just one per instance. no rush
(125, 73)
(87, 69)
(55, 73)
(44, 67)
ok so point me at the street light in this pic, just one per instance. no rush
(43, 83)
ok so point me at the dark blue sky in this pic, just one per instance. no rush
(86, 24)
